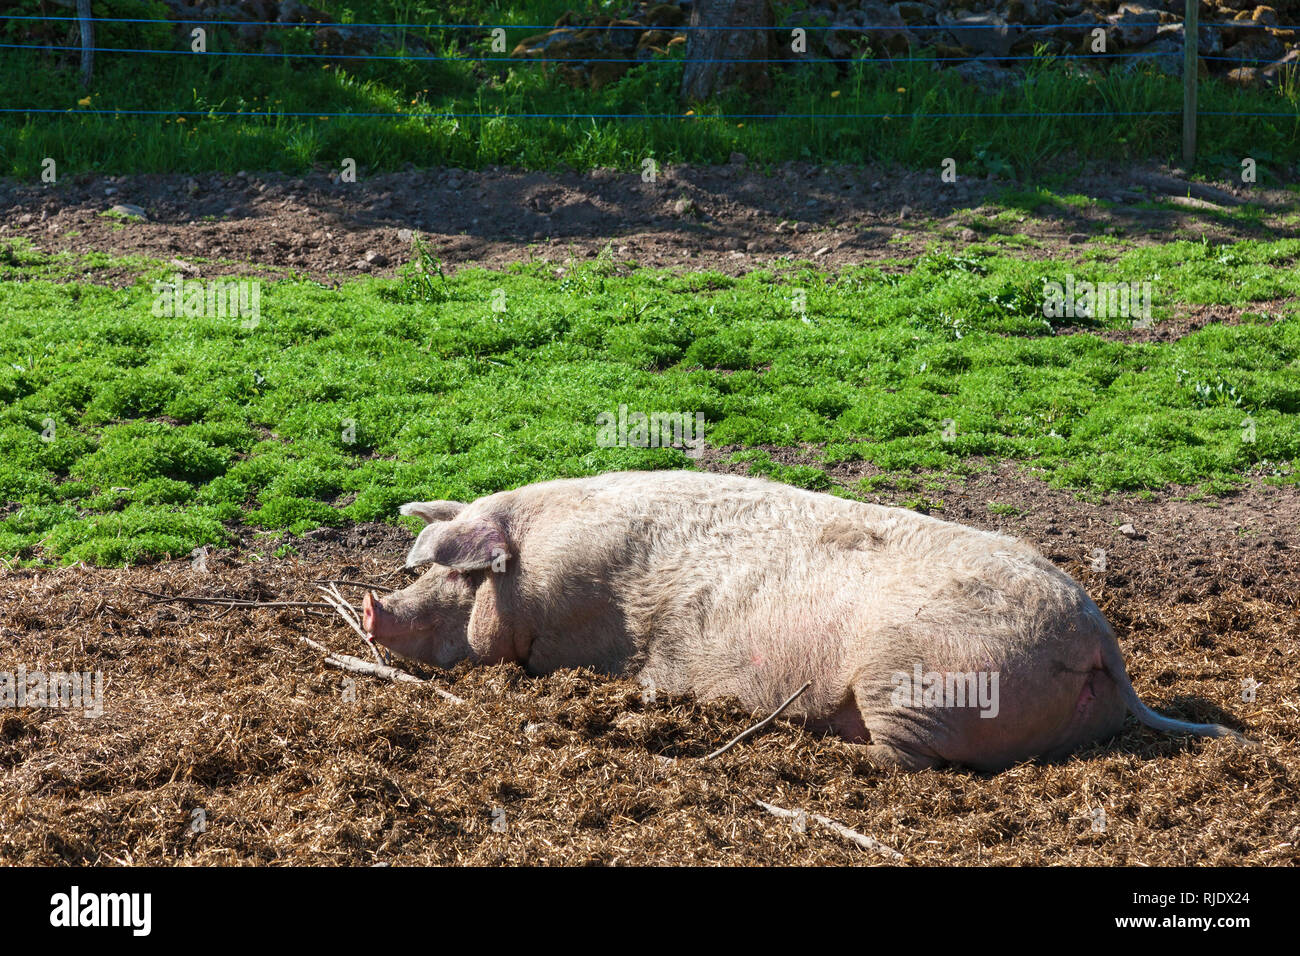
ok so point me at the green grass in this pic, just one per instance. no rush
(338, 405)
(915, 98)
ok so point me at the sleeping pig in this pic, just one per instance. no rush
(928, 642)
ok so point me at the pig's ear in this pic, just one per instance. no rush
(432, 511)
(465, 546)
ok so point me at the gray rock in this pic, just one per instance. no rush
(986, 33)
(1292, 60)
(1262, 49)
(1166, 54)
(129, 209)
(988, 77)
(1135, 25)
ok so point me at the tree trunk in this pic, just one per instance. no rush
(716, 46)
(87, 27)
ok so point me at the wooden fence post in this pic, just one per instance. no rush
(1191, 65)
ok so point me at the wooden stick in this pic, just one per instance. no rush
(359, 584)
(861, 839)
(225, 602)
(760, 725)
(355, 665)
(1191, 67)
(349, 614)
(86, 26)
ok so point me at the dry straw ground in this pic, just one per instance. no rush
(226, 711)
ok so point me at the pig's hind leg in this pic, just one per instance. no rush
(881, 748)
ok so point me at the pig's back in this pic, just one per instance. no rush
(725, 584)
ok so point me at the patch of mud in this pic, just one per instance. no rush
(1192, 318)
(732, 218)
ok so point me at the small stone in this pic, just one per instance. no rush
(129, 209)
(821, 252)
(1128, 531)
(737, 159)
(969, 235)
(1076, 238)
(376, 259)
(405, 235)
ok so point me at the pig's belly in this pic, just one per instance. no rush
(761, 651)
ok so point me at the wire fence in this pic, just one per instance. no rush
(416, 57)
(311, 25)
(1076, 30)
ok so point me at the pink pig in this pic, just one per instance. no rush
(929, 642)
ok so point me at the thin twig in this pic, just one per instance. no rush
(861, 839)
(355, 665)
(760, 725)
(349, 614)
(225, 602)
(359, 584)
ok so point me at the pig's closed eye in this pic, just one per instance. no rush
(469, 580)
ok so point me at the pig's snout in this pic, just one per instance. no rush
(373, 614)
(392, 627)
(427, 621)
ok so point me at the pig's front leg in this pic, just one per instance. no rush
(496, 634)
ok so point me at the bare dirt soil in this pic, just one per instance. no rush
(731, 218)
(226, 712)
